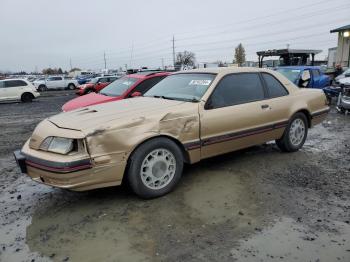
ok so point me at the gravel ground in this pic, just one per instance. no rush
(253, 205)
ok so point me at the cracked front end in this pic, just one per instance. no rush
(61, 157)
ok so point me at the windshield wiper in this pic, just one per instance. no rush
(193, 100)
(165, 97)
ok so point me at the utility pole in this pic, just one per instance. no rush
(174, 51)
(70, 63)
(132, 54)
(104, 58)
(163, 63)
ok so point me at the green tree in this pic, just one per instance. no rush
(239, 55)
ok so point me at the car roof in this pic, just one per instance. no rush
(225, 70)
(141, 75)
(300, 67)
(7, 79)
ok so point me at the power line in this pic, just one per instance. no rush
(277, 23)
(158, 52)
(196, 44)
(280, 12)
(265, 33)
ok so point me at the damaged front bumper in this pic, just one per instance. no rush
(77, 175)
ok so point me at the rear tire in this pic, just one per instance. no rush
(27, 97)
(295, 134)
(155, 168)
(71, 87)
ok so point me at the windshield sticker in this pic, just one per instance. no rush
(127, 83)
(200, 82)
(295, 71)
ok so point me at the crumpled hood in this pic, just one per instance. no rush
(93, 117)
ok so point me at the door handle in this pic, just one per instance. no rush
(264, 106)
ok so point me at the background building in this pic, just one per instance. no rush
(343, 48)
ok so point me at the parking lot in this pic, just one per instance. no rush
(253, 205)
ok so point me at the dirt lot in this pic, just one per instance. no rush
(254, 205)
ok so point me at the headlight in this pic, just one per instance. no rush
(58, 145)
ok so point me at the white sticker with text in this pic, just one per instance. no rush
(205, 82)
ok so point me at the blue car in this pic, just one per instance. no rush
(305, 76)
(84, 79)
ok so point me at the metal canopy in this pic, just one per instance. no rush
(288, 55)
(341, 29)
(278, 52)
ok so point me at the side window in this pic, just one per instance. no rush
(147, 84)
(315, 73)
(15, 83)
(274, 87)
(2, 84)
(54, 78)
(103, 80)
(237, 89)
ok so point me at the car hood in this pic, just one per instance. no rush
(86, 85)
(126, 110)
(345, 80)
(87, 100)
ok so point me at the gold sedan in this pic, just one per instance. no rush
(187, 117)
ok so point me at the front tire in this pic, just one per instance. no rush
(295, 134)
(27, 97)
(42, 88)
(71, 87)
(155, 168)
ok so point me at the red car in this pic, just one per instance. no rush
(125, 87)
(95, 85)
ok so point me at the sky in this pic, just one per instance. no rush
(37, 34)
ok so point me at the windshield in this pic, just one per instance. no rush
(291, 74)
(93, 80)
(347, 71)
(118, 87)
(185, 87)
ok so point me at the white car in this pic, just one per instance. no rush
(17, 89)
(345, 74)
(56, 82)
(344, 81)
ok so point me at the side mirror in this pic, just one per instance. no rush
(135, 94)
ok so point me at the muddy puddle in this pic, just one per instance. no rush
(287, 240)
(211, 206)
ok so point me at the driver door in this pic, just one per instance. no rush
(235, 116)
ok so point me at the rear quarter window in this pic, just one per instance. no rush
(275, 88)
(15, 83)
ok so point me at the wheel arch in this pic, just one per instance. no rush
(184, 152)
(307, 114)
